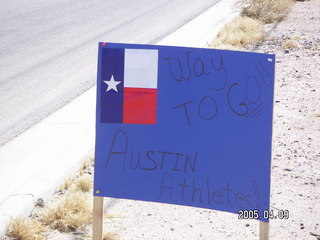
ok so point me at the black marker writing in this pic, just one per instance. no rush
(224, 79)
(199, 68)
(191, 190)
(252, 89)
(118, 149)
(243, 105)
(186, 112)
(166, 184)
(207, 109)
(148, 160)
(180, 76)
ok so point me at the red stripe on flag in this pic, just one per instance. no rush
(140, 105)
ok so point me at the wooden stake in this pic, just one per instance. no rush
(97, 225)
(264, 231)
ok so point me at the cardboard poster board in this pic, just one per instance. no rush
(184, 126)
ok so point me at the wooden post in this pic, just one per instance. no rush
(264, 231)
(97, 225)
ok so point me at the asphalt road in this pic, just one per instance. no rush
(48, 49)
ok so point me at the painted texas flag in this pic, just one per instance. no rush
(129, 85)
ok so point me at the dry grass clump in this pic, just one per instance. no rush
(239, 32)
(106, 236)
(84, 183)
(26, 229)
(110, 236)
(267, 11)
(66, 184)
(71, 212)
(290, 43)
(86, 164)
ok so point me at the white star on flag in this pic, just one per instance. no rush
(112, 84)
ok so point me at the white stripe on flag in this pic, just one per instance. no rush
(141, 68)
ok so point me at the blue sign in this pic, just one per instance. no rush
(184, 126)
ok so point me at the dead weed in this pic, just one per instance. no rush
(72, 211)
(290, 43)
(84, 183)
(110, 236)
(239, 32)
(267, 11)
(26, 229)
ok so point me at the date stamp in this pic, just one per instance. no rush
(265, 215)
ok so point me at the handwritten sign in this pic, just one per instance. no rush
(184, 126)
